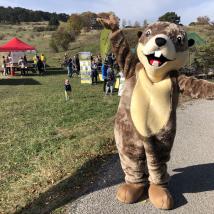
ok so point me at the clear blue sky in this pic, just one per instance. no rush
(132, 10)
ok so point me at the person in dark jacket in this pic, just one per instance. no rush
(94, 72)
(69, 64)
(67, 90)
(110, 80)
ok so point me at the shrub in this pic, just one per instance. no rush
(2, 36)
(42, 29)
(62, 39)
(53, 45)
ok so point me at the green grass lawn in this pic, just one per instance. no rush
(45, 139)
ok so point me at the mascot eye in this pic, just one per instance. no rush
(179, 39)
(148, 33)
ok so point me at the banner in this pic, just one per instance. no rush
(85, 67)
(105, 44)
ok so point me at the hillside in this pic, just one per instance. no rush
(87, 41)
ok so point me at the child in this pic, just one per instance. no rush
(67, 90)
(110, 80)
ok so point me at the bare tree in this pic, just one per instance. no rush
(145, 23)
(203, 20)
(137, 24)
(124, 23)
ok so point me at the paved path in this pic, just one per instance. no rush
(191, 167)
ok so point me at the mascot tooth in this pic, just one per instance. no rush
(145, 124)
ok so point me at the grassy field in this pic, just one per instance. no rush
(45, 139)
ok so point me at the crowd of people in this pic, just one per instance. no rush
(9, 64)
(72, 64)
(108, 68)
(39, 63)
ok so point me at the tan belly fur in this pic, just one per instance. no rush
(150, 104)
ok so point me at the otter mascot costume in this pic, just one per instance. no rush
(145, 124)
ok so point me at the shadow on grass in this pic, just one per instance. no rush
(81, 183)
(55, 71)
(21, 81)
(49, 71)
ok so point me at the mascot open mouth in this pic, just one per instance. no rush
(157, 59)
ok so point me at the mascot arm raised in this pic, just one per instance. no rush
(120, 47)
(195, 88)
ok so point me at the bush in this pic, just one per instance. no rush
(2, 36)
(192, 24)
(54, 21)
(62, 39)
(53, 45)
(42, 29)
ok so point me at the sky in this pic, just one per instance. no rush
(131, 10)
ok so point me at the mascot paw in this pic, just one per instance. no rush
(130, 193)
(111, 23)
(160, 197)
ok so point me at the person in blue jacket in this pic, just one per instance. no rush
(104, 74)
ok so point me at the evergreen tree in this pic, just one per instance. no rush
(170, 17)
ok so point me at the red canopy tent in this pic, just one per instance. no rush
(16, 45)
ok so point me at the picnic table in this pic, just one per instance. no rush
(14, 67)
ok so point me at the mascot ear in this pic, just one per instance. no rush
(139, 33)
(191, 42)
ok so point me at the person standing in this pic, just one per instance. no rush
(110, 80)
(21, 63)
(4, 66)
(40, 66)
(25, 59)
(69, 65)
(104, 74)
(43, 59)
(77, 64)
(35, 62)
(94, 72)
(67, 90)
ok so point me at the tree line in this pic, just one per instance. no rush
(9, 15)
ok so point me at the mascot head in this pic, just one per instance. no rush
(163, 47)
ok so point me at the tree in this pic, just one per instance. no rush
(124, 23)
(54, 21)
(75, 23)
(18, 14)
(145, 23)
(204, 57)
(61, 39)
(203, 20)
(137, 24)
(170, 17)
(129, 23)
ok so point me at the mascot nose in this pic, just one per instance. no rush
(160, 41)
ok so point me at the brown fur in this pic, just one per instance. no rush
(144, 157)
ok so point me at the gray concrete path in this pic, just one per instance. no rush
(191, 168)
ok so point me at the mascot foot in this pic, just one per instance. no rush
(160, 197)
(130, 193)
